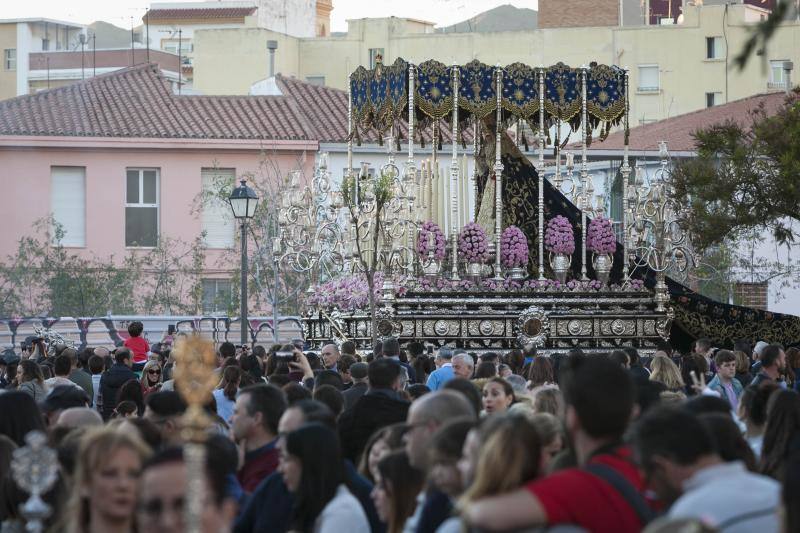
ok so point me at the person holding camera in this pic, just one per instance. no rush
(290, 360)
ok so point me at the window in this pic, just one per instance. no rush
(68, 203)
(777, 76)
(373, 56)
(141, 207)
(714, 48)
(217, 296)
(216, 217)
(648, 78)
(45, 45)
(713, 99)
(10, 59)
(185, 46)
(316, 80)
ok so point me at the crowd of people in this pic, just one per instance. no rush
(413, 439)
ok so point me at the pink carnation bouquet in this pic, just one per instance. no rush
(558, 237)
(431, 239)
(472, 243)
(513, 248)
(600, 237)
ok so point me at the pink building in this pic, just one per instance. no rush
(119, 160)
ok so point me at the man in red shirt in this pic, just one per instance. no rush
(254, 427)
(137, 344)
(604, 494)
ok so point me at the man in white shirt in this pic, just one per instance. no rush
(677, 454)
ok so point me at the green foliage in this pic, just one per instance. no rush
(42, 277)
(712, 276)
(174, 285)
(744, 178)
(264, 287)
(762, 33)
(384, 189)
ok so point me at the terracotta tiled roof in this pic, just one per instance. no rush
(199, 13)
(326, 111)
(138, 102)
(678, 131)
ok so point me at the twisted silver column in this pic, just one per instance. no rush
(498, 173)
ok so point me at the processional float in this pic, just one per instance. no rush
(497, 257)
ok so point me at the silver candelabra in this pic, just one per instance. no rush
(657, 236)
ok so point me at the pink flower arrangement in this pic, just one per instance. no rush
(430, 231)
(577, 285)
(600, 237)
(513, 248)
(558, 237)
(347, 293)
(472, 243)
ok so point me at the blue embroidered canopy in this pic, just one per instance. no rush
(380, 96)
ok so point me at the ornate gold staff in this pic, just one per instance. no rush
(195, 379)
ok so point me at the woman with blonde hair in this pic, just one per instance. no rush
(665, 371)
(151, 377)
(509, 456)
(107, 470)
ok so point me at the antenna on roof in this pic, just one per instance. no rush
(94, 54)
(180, 62)
(131, 40)
(147, 30)
(82, 39)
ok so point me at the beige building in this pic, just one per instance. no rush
(675, 68)
(19, 38)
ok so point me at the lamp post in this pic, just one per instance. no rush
(243, 202)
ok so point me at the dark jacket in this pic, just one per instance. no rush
(352, 394)
(269, 509)
(110, 382)
(435, 510)
(639, 374)
(82, 379)
(375, 410)
(744, 378)
(760, 378)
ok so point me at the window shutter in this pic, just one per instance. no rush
(648, 78)
(217, 218)
(68, 203)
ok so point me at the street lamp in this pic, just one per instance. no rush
(243, 202)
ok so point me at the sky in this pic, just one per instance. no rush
(125, 12)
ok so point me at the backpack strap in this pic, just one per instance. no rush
(624, 488)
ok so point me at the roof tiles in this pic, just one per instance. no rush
(138, 102)
(199, 13)
(679, 131)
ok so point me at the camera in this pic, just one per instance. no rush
(284, 355)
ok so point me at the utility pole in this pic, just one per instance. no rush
(147, 31)
(180, 62)
(82, 39)
(131, 41)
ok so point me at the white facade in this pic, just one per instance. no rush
(41, 35)
(178, 36)
(292, 17)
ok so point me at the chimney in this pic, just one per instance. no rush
(272, 46)
(788, 66)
